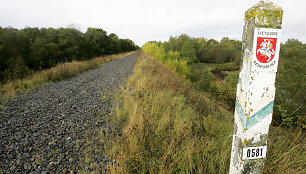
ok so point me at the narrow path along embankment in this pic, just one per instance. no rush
(44, 130)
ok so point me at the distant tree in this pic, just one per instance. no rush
(113, 36)
(70, 42)
(188, 50)
(12, 45)
(96, 42)
(201, 49)
(212, 42)
(74, 26)
(181, 40)
(31, 34)
(224, 40)
(116, 46)
(171, 44)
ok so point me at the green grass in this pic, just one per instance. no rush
(162, 123)
(165, 125)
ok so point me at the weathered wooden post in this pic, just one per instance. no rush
(256, 89)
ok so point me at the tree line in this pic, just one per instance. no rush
(30, 49)
(204, 50)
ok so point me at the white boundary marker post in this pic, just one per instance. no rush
(256, 87)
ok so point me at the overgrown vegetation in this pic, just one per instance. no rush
(166, 125)
(31, 49)
(213, 67)
(59, 72)
(290, 100)
(172, 59)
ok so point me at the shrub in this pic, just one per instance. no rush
(180, 66)
(172, 58)
(224, 92)
(232, 78)
(154, 50)
(205, 79)
(174, 55)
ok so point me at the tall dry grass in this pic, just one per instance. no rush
(59, 72)
(165, 125)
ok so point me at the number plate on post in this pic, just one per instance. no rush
(254, 152)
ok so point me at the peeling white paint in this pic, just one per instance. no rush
(255, 95)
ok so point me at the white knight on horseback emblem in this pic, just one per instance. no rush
(265, 50)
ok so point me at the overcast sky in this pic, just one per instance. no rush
(145, 20)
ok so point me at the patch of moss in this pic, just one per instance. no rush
(266, 15)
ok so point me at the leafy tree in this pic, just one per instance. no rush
(96, 42)
(188, 51)
(113, 36)
(212, 42)
(181, 40)
(171, 44)
(225, 40)
(70, 42)
(12, 45)
(201, 48)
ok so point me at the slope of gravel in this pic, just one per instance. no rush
(44, 130)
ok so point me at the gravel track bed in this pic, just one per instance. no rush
(45, 130)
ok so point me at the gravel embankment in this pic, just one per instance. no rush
(44, 131)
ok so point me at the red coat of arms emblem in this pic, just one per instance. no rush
(265, 50)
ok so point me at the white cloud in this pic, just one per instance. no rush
(144, 20)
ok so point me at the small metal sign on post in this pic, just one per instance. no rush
(256, 87)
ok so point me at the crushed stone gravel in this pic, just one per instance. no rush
(44, 130)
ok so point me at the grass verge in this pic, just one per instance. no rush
(165, 125)
(168, 126)
(59, 72)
